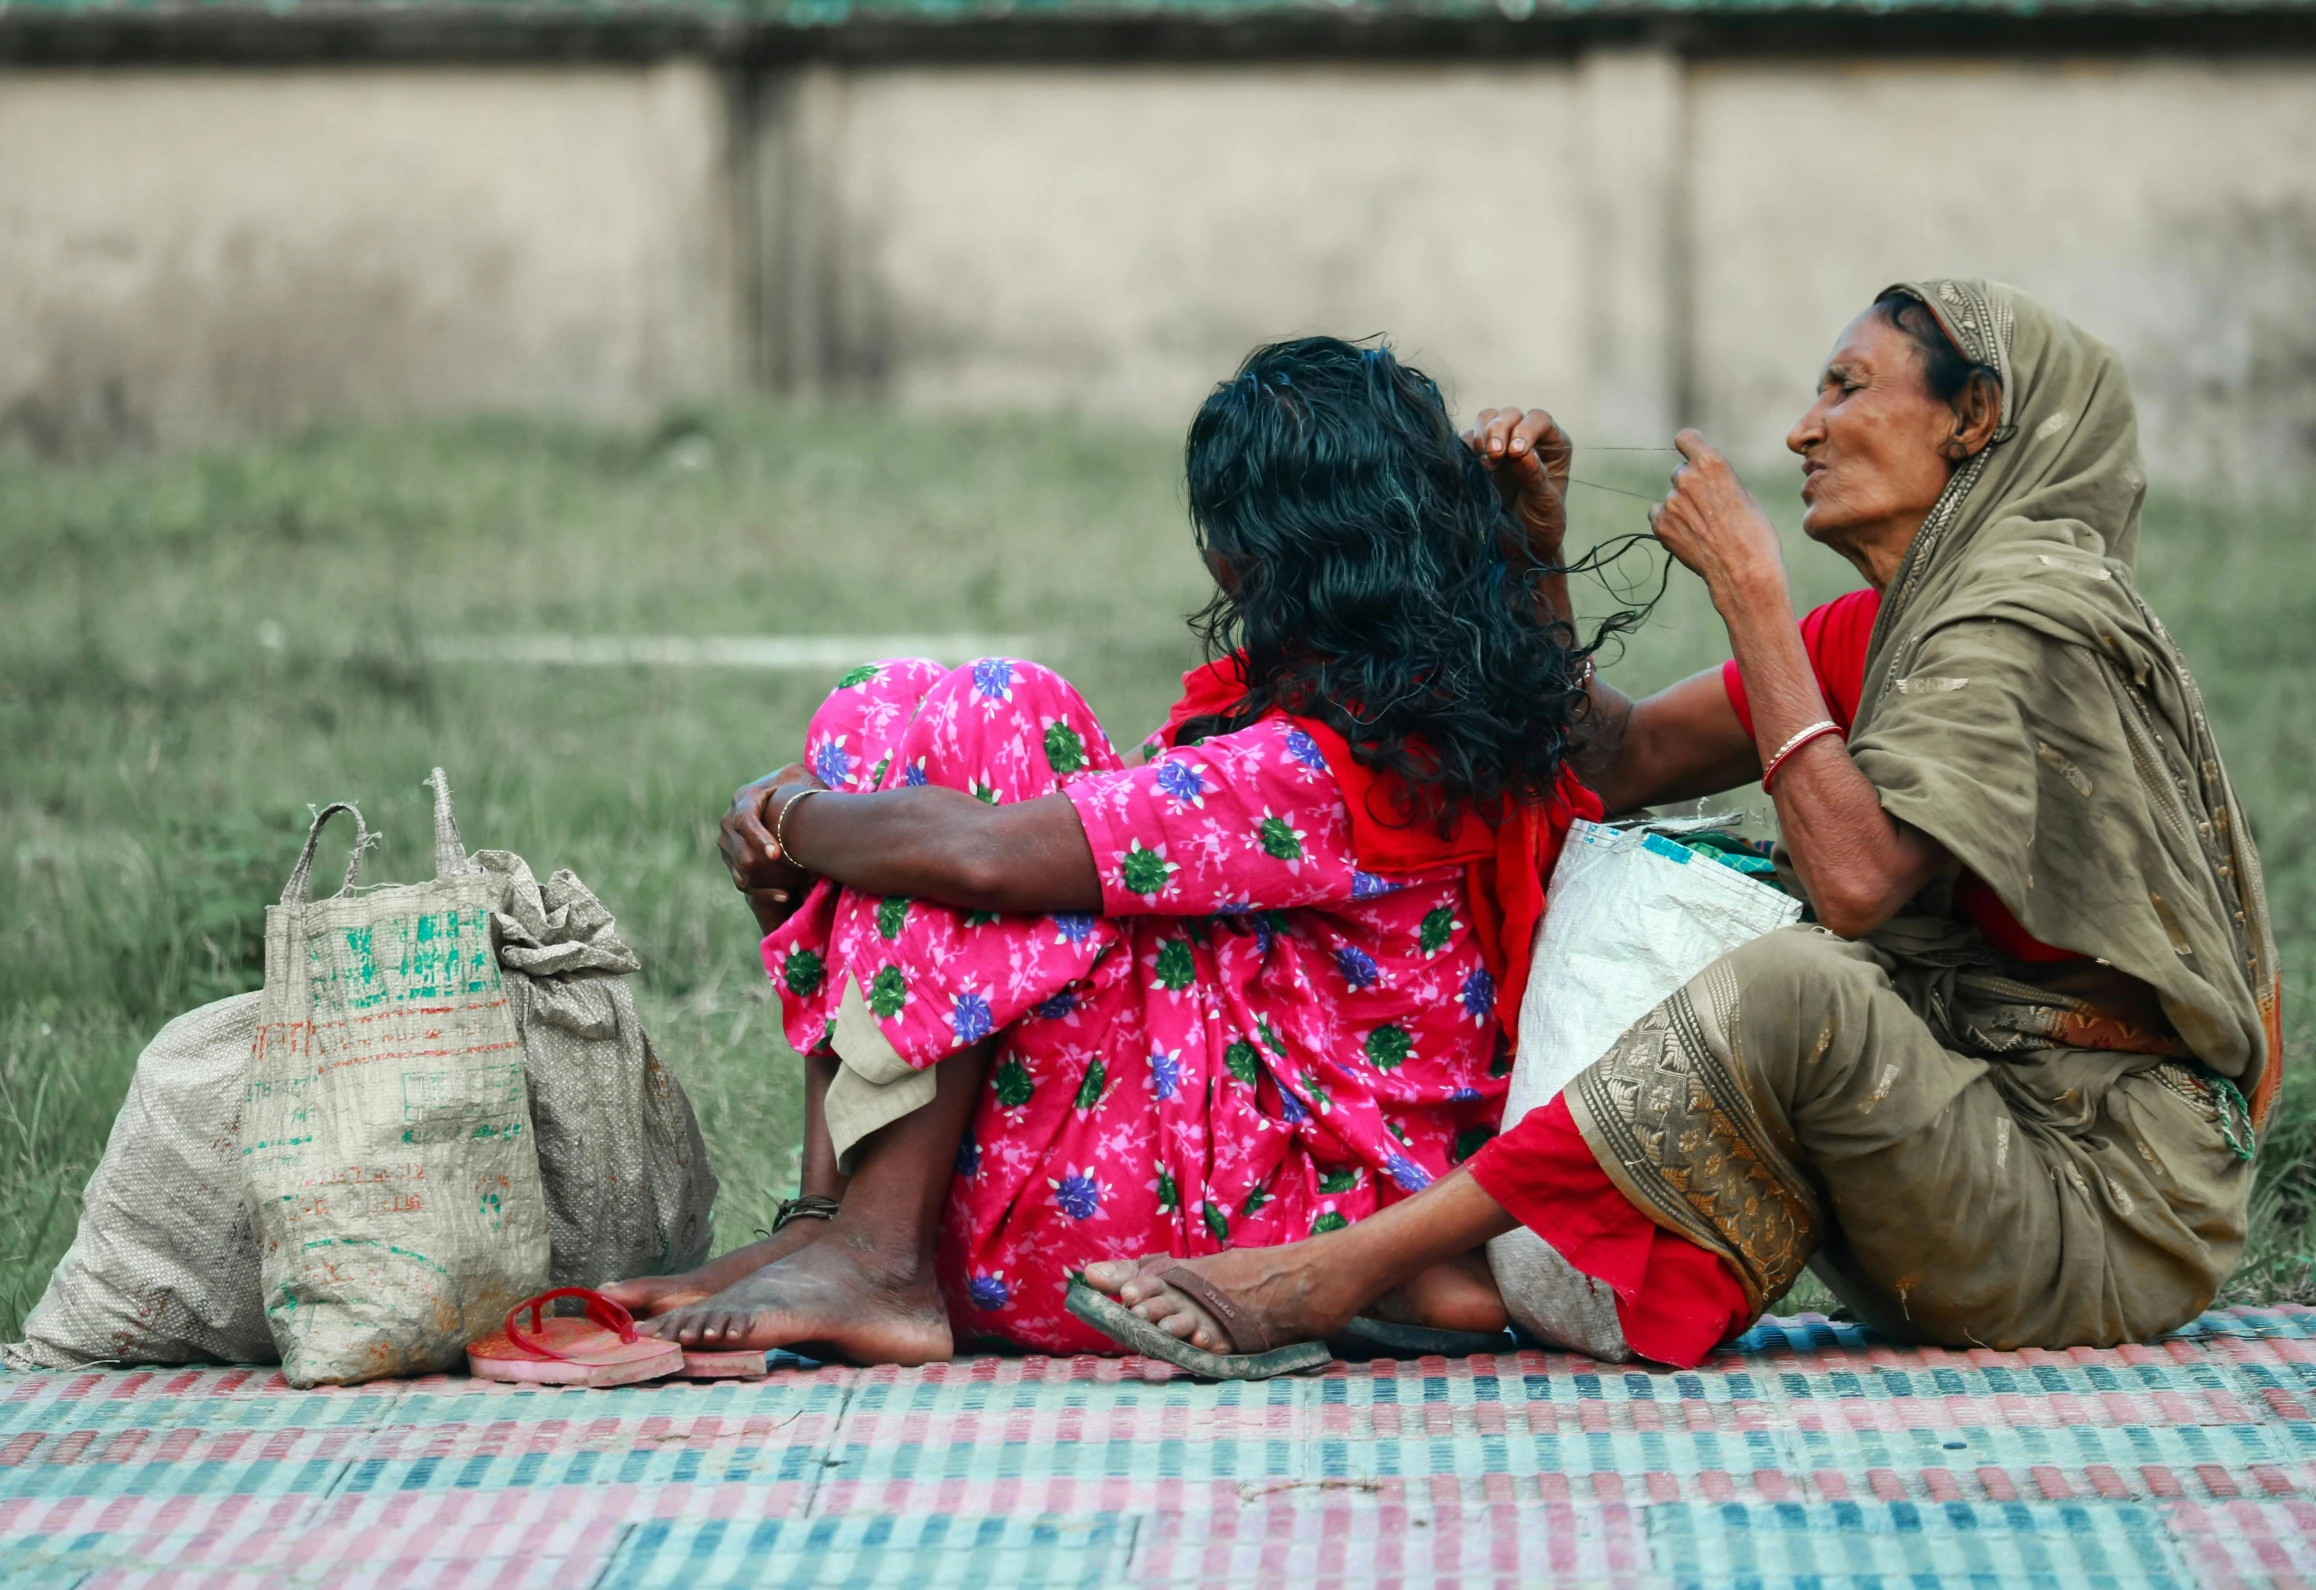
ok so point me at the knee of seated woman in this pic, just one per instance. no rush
(1801, 956)
(997, 678)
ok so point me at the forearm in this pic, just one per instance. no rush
(1780, 684)
(1597, 738)
(1858, 864)
(1601, 746)
(943, 845)
(1679, 744)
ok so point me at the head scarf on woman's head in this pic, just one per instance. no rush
(2064, 463)
(2024, 707)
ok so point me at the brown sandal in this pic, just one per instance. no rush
(1246, 1334)
(1130, 1330)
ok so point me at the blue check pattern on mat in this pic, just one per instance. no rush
(1808, 1455)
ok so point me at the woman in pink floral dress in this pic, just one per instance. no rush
(1253, 982)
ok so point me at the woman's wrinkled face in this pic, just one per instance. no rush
(1877, 447)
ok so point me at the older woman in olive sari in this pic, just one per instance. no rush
(2005, 1092)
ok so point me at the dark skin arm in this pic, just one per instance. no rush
(926, 843)
(1679, 744)
(1859, 864)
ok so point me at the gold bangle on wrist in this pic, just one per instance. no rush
(780, 850)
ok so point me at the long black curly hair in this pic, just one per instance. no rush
(1371, 576)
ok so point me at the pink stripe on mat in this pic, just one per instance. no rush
(1811, 1455)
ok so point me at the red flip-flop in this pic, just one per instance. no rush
(603, 1349)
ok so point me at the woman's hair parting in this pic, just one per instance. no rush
(1946, 370)
(1375, 581)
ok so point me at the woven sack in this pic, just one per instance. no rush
(629, 1189)
(388, 1161)
(163, 1269)
(154, 1276)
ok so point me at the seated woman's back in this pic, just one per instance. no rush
(1254, 986)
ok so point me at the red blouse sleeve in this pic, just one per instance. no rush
(1835, 636)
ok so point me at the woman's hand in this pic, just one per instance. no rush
(1527, 454)
(774, 884)
(1713, 525)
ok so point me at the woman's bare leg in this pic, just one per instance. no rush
(1457, 1294)
(650, 1295)
(864, 1289)
(1310, 1290)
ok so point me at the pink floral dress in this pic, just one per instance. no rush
(1254, 1041)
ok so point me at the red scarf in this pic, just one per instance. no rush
(1505, 865)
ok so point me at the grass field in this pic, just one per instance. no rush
(194, 650)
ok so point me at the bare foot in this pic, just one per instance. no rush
(826, 1297)
(649, 1295)
(1457, 1294)
(1294, 1297)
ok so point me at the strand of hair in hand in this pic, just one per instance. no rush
(1633, 611)
(1606, 447)
(1603, 558)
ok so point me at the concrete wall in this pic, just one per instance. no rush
(1116, 239)
(1634, 239)
(189, 256)
(1119, 239)
(2168, 208)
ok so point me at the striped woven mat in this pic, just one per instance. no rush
(1808, 1455)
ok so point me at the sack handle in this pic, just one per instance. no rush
(294, 892)
(449, 850)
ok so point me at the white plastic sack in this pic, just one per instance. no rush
(1630, 916)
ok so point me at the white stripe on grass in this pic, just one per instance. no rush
(760, 652)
